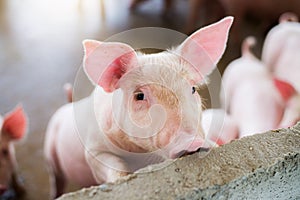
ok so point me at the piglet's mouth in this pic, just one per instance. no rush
(188, 147)
(185, 153)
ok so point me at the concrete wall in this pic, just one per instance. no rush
(263, 166)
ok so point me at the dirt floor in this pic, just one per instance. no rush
(40, 50)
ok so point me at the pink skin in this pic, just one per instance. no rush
(288, 17)
(292, 112)
(219, 127)
(251, 97)
(232, 75)
(136, 116)
(13, 128)
(281, 53)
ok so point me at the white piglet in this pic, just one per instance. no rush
(281, 52)
(143, 110)
(252, 94)
(281, 55)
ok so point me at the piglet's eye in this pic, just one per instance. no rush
(193, 89)
(139, 96)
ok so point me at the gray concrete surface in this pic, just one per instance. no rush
(263, 166)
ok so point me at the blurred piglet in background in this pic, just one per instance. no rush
(281, 50)
(251, 97)
(281, 55)
(13, 127)
(144, 109)
(264, 95)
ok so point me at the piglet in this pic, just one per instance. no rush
(281, 55)
(281, 50)
(13, 127)
(144, 109)
(253, 97)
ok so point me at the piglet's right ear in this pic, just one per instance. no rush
(106, 62)
(15, 123)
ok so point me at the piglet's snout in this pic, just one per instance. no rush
(188, 147)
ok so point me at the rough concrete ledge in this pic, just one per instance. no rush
(263, 166)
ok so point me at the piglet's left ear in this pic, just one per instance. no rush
(204, 48)
(15, 123)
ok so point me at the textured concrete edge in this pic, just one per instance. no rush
(241, 189)
(259, 175)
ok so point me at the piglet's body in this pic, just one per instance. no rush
(143, 110)
(281, 55)
(13, 127)
(251, 96)
(281, 52)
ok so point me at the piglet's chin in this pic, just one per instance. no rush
(187, 147)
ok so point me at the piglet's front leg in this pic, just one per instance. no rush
(106, 167)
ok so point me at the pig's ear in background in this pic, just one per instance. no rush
(204, 48)
(15, 123)
(105, 63)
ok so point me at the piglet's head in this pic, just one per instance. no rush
(13, 127)
(156, 106)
